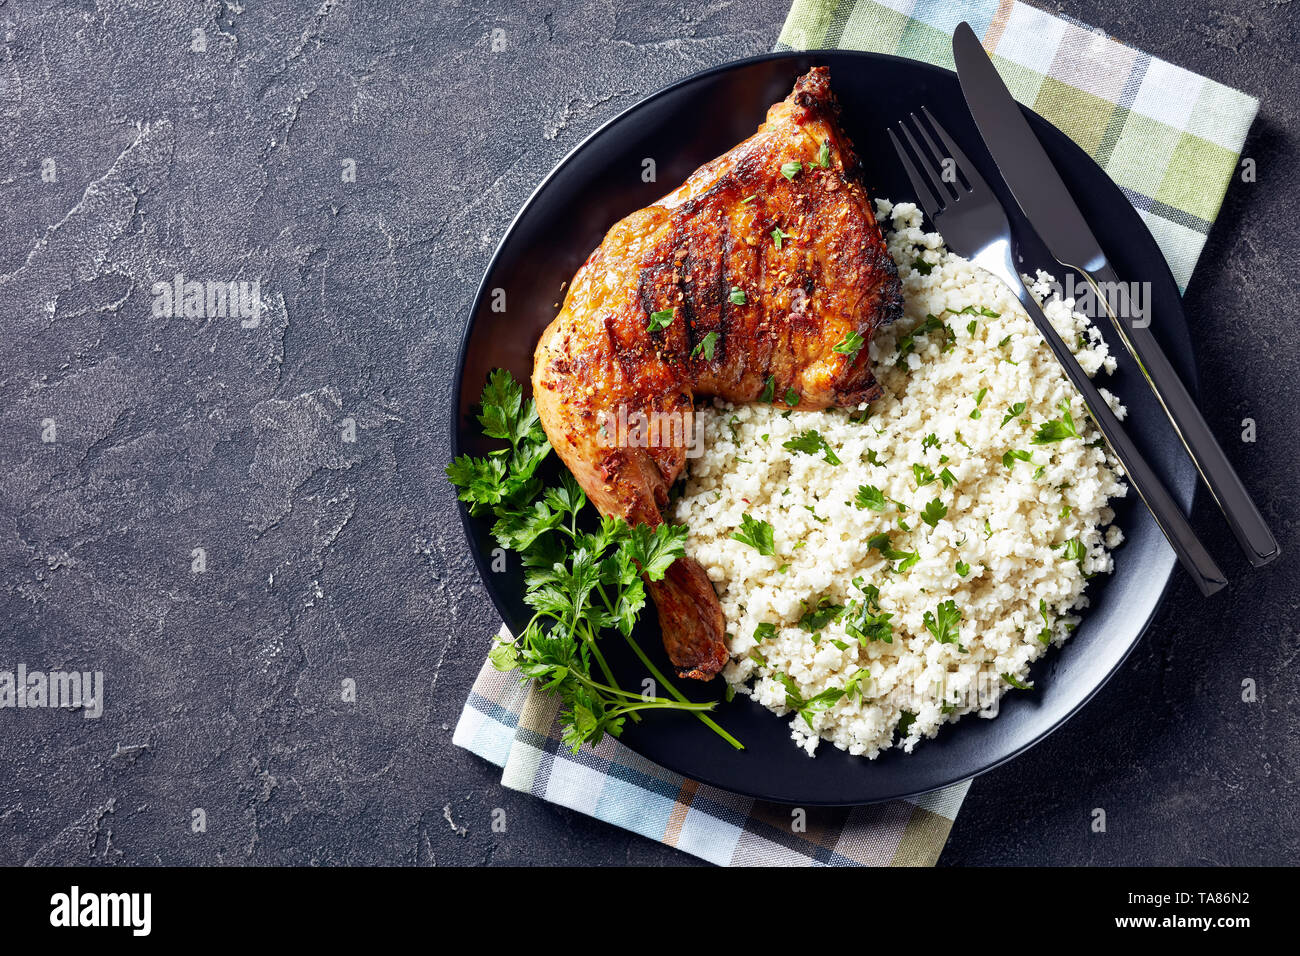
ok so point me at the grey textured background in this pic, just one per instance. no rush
(329, 560)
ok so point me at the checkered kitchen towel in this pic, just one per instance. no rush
(1170, 139)
(508, 723)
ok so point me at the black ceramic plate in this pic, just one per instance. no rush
(682, 127)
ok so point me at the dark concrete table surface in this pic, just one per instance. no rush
(213, 141)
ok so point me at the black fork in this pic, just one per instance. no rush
(973, 224)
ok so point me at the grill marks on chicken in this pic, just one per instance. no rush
(774, 269)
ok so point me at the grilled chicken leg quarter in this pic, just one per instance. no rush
(737, 285)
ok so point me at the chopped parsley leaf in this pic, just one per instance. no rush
(871, 497)
(706, 346)
(1057, 429)
(660, 320)
(756, 534)
(1074, 550)
(810, 443)
(1045, 635)
(934, 512)
(1015, 411)
(818, 616)
(850, 345)
(944, 623)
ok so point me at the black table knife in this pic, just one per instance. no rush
(1048, 206)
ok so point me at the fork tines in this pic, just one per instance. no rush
(948, 173)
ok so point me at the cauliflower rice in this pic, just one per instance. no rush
(1011, 552)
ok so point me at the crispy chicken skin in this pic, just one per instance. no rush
(699, 252)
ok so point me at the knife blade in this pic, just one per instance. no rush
(1028, 172)
(1054, 215)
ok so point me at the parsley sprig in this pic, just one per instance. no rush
(581, 584)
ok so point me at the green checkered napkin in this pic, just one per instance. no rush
(1171, 140)
(511, 724)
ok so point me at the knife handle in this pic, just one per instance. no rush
(1230, 494)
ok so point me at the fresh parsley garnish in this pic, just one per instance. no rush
(791, 169)
(807, 709)
(820, 614)
(907, 344)
(871, 497)
(706, 346)
(779, 236)
(581, 584)
(1014, 412)
(824, 155)
(737, 295)
(934, 512)
(1013, 455)
(810, 443)
(944, 623)
(769, 389)
(1045, 635)
(1057, 429)
(850, 345)
(979, 400)
(756, 534)
(660, 320)
(865, 620)
(853, 687)
(881, 542)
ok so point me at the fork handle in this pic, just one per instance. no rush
(1169, 517)
(1234, 500)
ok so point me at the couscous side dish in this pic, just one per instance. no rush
(887, 569)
